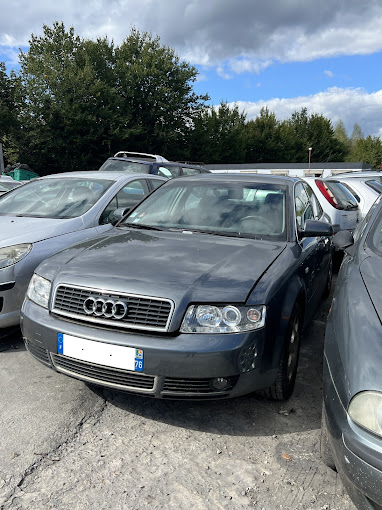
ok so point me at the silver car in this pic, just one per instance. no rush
(49, 214)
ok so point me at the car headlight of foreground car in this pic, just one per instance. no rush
(223, 319)
(365, 410)
(12, 254)
(39, 290)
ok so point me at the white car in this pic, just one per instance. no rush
(337, 202)
(365, 186)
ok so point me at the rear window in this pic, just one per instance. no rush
(130, 167)
(342, 196)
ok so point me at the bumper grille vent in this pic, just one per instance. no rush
(38, 352)
(99, 374)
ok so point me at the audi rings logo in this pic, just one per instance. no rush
(107, 308)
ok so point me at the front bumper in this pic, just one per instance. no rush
(357, 453)
(181, 366)
(12, 291)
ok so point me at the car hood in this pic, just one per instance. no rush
(21, 229)
(183, 267)
(371, 270)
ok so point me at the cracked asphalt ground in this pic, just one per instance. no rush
(66, 445)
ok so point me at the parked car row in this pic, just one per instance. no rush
(199, 287)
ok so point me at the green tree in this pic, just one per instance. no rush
(357, 133)
(9, 126)
(84, 100)
(157, 91)
(265, 143)
(303, 131)
(218, 135)
(367, 150)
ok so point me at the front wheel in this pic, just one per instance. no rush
(283, 386)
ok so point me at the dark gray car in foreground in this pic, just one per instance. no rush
(351, 435)
(200, 292)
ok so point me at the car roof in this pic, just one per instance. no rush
(160, 163)
(356, 175)
(96, 174)
(271, 179)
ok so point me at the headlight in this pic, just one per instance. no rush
(39, 290)
(223, 319)
(12, 254)
(365, 409)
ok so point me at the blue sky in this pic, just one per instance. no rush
(283, 54)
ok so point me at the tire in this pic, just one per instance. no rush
(325, 450)
(283, 386)
(328, 284)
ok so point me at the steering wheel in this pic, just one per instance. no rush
(259, 225)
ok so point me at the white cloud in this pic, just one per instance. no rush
(329, 73)
(245, 34)
(349, 105)
(223, 73)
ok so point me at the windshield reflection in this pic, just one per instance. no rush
(54, 198)
(228, 208)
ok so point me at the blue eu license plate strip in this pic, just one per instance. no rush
(60, 343)
(138, 360)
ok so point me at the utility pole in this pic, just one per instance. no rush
(1, 160)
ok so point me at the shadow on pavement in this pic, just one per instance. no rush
(250, 415)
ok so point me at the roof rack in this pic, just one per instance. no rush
(140, 155)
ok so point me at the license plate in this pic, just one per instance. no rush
(116, 356)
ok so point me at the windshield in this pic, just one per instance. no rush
(120, 165)
(53, 198)
(223, 208)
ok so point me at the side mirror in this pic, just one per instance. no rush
(343, 239)
(316, 228)
(118, 214)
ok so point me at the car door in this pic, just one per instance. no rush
(308, 266)
(323, 246)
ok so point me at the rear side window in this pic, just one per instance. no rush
(375, 185)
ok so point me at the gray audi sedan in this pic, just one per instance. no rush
(351, 433)
(48, 214)
(201, 291)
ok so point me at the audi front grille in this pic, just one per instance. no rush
(143, 312)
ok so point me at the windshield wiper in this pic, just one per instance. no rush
(139, 225)
(217, 233)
